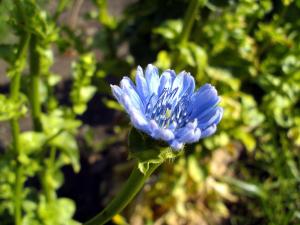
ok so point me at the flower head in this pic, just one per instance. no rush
(167, 108)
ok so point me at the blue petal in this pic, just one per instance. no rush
(212, 118)
(129, 89)
(160, 133)
(127, 103)
(176, 145)
(139, 121)
(189, 134)
(152, 78)
(185, 84)
(117, 92)
(206, 97)
(141, 84)
(166, 80)
(209, 131)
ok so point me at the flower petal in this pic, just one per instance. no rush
(130, 89)
(141, 84)
(117, 92)
(166, 80)
(139, 121)
(206, 97)
(160, 133)
(212, 118)
(189, 134)
(185, 84)
(209, 131)
(176, 145)
(152, 78)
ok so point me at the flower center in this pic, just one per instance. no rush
(168, 110)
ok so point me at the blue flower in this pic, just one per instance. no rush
(167, 108)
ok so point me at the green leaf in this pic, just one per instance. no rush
(224, 76)
(170, 29)
(57, 121)
(199, 56)
(163, 60)
(82, 90)
(31, 141)
(243, 187)
(68, 145)
(194, 169)
(59, 212)
(246, 138)
(12, 109)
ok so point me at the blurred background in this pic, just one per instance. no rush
(247, 173)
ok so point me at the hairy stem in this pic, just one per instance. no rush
(132, 186)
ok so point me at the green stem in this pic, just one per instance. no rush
(35, 79)
(14, 94)
(15, 129)
(35, 74)
(49, 190)
(132, 186)
(189, 19)
(187, 26)
(60, 8)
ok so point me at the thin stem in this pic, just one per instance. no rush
(132, 186)
(36, 109)
(188, 22)
(14, 94)
(35, 79)
(189, 19)
(15, 129)
(49, 191)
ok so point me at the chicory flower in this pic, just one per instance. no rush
(167, 108)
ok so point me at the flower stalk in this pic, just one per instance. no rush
(189, 19)
(188, 22)
(35, 73)
(35, 79)
(132, 186)
(15, 128)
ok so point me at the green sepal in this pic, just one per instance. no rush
(149, 151)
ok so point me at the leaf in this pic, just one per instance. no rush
(194, 169)
(163, 60)
(68, 145)
(243, 187)
(199, 56)
(10, 109)
(224, 76)
(31, 141)
(246, 138)
(57, 121)
(82, 90)
(170, 29)
(112, 104)
(59, 211)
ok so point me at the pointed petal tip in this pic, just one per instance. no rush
(151, 67)
(176, 145)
